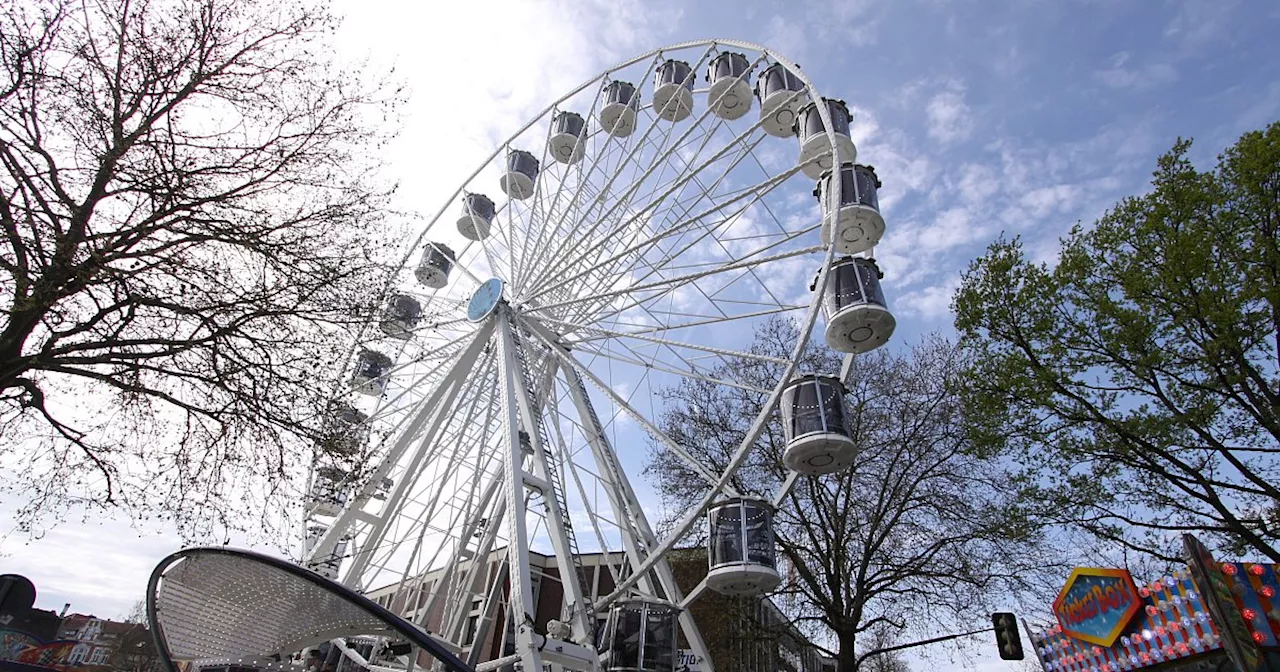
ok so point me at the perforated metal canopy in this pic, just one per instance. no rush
(227, 606)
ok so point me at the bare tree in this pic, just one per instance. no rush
(190, 222)
(914, 537)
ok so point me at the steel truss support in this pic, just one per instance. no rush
(637, 536)
(516, 403)
(434, 408)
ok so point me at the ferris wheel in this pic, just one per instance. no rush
(631, 236)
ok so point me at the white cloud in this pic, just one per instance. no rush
(949, 117)
(1150, 75)
(977, 183)
(931, 302)
(1054, 199)
(1200, 22)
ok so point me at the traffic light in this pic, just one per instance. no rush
(1008, 639)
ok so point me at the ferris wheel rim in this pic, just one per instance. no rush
(659, 552)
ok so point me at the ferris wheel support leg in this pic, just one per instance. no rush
(521, 591)
(627, 509)
(581, 619)
(454, 622)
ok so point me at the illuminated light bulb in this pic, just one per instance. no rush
(1248, 614)
(1191, 594)
(1134, 659)
(1186, 622)
(1256, 570)
(1169, 651)
(1156, 586)
(1151, 610)
(1175, 626)
(1194, 642)
(1144, 591)
(1097, 650)
(1177, 600)
(1146, 634)
(1267, 591)
(1146, 657)
(1259, 637)
(1202, 618)
(1184, 649)
(1160, 631)
(1228, 569)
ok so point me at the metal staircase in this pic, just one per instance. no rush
(555, 477)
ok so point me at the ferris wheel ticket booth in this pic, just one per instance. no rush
(1208, 616)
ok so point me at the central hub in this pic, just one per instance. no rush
(485, 300)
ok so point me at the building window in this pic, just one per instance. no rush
(472, 624)
(78, 654)
(99, 656)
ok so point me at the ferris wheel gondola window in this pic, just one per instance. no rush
(859, 225)
(433, 269)
(370, 375)
(814, 425)
(741, 553)
(640, 637)
(781, 94)
(673, 90)
(400, 316)
(815, 147)
(521, 175)
(568, 134)
(618, 109)
(477, 216)
(730, 92)
(858, 318)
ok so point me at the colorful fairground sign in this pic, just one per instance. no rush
(1208, 615)
(1096, 604)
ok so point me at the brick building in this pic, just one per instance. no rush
(742, 634)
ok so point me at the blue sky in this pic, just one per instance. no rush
(980, 118)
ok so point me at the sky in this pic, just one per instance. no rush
(981, 118)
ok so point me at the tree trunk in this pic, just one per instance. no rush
(846, 655)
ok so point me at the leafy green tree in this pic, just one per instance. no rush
(1137, 380)
(189, 220)
(915, 535)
